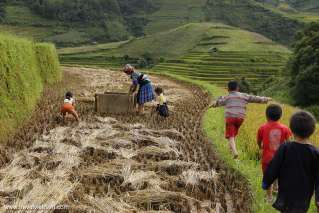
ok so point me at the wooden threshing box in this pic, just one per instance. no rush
(114, 103)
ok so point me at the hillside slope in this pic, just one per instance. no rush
(73, 22)
(253, 16)
(115, 20)
(211, 52)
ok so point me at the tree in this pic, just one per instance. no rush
(304, 67)
(244, 85)
(2, 10)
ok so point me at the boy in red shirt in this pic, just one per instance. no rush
(270, 136)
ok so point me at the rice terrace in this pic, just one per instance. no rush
(159, 106)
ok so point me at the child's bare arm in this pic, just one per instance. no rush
(259, 142)
(259, 138)
(132, 88)
(221, 101)
(273, 170)
(257, 99)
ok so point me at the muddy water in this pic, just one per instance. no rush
(124, 163)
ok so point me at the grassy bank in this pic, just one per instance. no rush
(248, 165)
(25, 67)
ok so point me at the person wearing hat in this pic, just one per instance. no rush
(145, 92)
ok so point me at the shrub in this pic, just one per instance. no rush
(304, 67)
(314, 109)
(244, 85)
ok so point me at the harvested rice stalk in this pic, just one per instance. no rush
(108, 204)
(193, 177)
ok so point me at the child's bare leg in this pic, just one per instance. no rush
(269, 194)
(75, 115)
(232, 146)
(141, 108)
(63, 114)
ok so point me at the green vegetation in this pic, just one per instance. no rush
(76, 22)
(172, 14)
(24, 68)
(255, 17)
(48, 63)
(304, 67)
(299, 84)
(294, 5)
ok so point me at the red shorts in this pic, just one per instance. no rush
(67, 108)
(232, 126)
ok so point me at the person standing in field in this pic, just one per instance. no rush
(143, 83)
(296, 166)
(235, 111)
(270, 136)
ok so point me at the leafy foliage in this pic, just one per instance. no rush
(304, 67)
(2, 11)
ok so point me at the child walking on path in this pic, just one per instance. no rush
(296, 166)
(69, 107)
(270, 136)
(162, 107)
(235, 111)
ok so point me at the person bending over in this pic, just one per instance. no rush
(69, 107)
(143, 83)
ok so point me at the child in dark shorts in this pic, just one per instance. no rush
(296, 166)
(270, 136)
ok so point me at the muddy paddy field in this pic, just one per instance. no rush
(111, 163)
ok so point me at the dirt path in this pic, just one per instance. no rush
(124, 163)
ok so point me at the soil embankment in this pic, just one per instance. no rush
(123, 163)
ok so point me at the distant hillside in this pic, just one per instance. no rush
(304, 5)
(74, 22)
(78, 22)
(254, 16)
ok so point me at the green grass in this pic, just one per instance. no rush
(24, 68)
(91, 48)
(172, 14)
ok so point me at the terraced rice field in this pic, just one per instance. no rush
(220, 67)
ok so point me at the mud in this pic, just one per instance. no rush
(123, 163)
